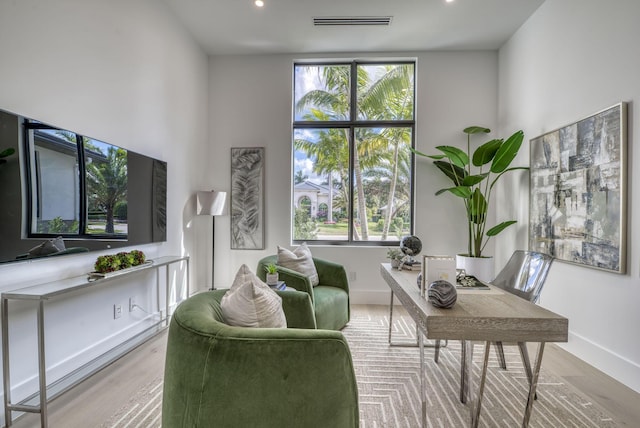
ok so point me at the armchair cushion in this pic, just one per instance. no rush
(252, 303)
(299, 260)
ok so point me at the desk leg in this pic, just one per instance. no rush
(5, 361)
(423, 392)
(390, 316)
(42, 366)
(533, 386)
(466, 359)
(477, 402)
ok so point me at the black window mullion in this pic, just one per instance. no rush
(82, 174)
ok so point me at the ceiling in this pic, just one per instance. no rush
(236, 27)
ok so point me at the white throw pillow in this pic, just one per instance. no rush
(252, 303)
(299, 260)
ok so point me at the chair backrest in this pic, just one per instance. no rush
(524, 274)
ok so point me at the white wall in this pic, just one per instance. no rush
(250, 105)
(122, 72)
(573, 58)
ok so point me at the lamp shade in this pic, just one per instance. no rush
(211, 203)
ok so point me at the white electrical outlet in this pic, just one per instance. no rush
(352, 276)
(132, 303)
(117, 311)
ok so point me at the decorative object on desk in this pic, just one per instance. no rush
(474, 186)
(480, 267)
(464, 281)
(114, 262)
(438, 268)
(411, 245)
(213, 204)
(442, 294)
(247, 198)
(395, 255)
(272, 274)
(579, 191)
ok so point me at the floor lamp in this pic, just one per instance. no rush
(212, 204)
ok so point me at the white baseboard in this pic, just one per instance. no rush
(69, 364)
(621, 369)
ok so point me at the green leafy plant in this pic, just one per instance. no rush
(271, 268)
(394, 254)
(474, 177)
(122, 260)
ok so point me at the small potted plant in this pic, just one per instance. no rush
(396, 257)
(272, 273)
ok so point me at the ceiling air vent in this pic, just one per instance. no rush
(351, 20)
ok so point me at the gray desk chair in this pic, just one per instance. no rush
(523, 275)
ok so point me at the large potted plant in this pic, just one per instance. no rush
(474, 175)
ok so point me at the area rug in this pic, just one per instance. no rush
(388, 385)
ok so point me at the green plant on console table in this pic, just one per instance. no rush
(122, 260)
(474, 176)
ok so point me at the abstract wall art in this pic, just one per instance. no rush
(578, 191)
(247, 198)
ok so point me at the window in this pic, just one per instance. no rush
(353, 130)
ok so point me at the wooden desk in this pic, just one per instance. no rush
(482, 315)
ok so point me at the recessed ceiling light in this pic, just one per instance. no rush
(259, 3)
(449, 1)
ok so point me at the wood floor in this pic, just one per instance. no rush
(96, 400)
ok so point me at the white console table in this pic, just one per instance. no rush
(37, 403)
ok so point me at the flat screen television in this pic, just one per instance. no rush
(78, 193)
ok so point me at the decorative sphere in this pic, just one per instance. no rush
(411, 245)
(442, 294)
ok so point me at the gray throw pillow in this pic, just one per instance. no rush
(299, 260)
(252, 303)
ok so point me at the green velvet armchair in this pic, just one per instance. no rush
(330, 297)
(221, 376)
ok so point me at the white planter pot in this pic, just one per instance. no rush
(272, 278)
(480, 267)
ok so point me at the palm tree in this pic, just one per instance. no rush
(299, 177)
(107, 183)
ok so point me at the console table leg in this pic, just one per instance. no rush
(42, 366)
(423, 392)
(5, 361)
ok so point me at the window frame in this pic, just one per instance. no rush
(351, 125)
